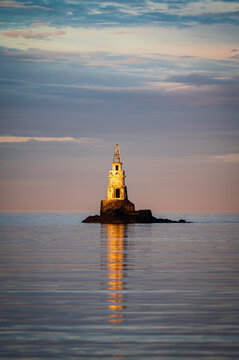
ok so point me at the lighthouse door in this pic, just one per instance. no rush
(117, 193)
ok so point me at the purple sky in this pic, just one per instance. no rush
(160, 78)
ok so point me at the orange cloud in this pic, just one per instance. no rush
(29, 34)
(231, 157)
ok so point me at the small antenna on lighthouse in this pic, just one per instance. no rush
(116, 154)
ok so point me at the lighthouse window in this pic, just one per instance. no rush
(116, 167)
(117, 193)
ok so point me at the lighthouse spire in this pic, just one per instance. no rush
(116, 157)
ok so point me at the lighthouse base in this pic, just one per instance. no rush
(123, 212)
(124, 206)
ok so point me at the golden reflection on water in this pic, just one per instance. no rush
(115, 270)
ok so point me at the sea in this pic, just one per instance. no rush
(141, 291)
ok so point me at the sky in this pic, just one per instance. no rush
(161, 78)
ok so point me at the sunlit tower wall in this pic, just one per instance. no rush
(117, 197)
(117, 188)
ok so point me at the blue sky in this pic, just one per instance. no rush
(158, 77)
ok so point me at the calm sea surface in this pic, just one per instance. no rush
(142, 291)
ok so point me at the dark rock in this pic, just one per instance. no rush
(112, 216)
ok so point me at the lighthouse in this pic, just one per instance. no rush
(117, 188)
(117, 197)
(117, 209)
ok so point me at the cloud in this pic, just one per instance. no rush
(130, 12)
(94, 12)
(39, 24)
(107, 23)
(18, 4)
(170, 86)
(202, 79)
(194, 8)
(235, 57)
(172, 8)
(29, 34)
(72, 2)
(180, 14)
(231, 157)
(85, 58)
(25, 139)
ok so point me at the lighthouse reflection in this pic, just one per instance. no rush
(115, 262)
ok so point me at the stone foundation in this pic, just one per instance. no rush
(124, 206)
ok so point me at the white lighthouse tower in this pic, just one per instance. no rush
(117, 188)
(117, 198)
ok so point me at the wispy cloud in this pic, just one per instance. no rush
(231, 157)
(95, 12)
(172, 8)
(133, 12)
(29, 34)
(173, 13)
(201, 79)
(18, 4)
(170, 86)
(192, 8)
(39, 23)
(107, 23)
(25, 139)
